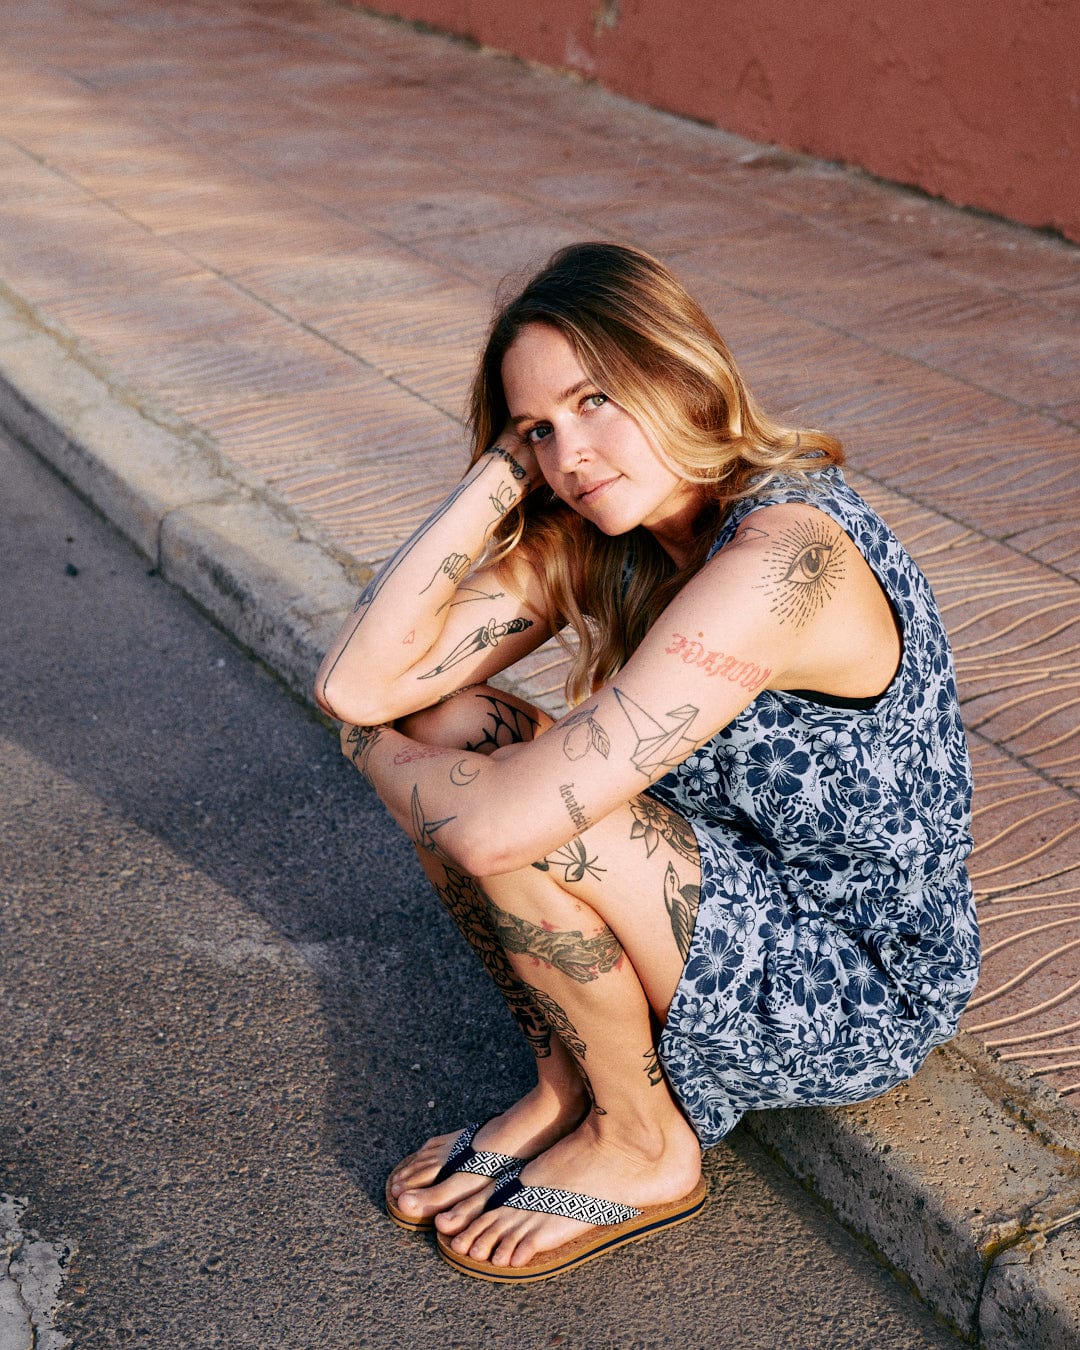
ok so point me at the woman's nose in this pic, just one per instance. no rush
(571, 449)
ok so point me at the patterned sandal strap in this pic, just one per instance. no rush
(481, 1162)
(566, 1204)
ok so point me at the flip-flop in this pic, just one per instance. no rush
(461, 1158)
(615, 1224)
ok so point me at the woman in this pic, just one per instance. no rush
(732, 877)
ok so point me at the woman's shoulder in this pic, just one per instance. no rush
(825, 490)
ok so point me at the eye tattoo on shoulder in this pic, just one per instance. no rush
(804, 567)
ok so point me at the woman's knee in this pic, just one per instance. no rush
(480, 718)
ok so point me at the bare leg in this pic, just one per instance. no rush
(599, 935)
(484, 719)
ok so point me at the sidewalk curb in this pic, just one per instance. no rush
(963, 1181)
(250, 561)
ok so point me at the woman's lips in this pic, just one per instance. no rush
(592, 492)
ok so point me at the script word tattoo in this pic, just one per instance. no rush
(478, 641)
(468, 907)
(653, 822)
(574, 860)
(558, 1021)
(747, 675)
(582, 959)
(515, 468)
(681, 903)
(573, 807)
(660, 745)
(584, 733)
(805, 565)
(503, 725)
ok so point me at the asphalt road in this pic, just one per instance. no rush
(230, 1004)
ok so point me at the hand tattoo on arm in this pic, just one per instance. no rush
(454, 566)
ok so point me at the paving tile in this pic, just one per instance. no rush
(489, 257)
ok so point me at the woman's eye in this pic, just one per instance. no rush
(596, 400)
(535, 435)
(810, 564)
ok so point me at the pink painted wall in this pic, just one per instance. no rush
(977, 101)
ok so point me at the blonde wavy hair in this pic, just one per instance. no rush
(643, 340)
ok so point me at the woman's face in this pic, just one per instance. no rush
(592, 453)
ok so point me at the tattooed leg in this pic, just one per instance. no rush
(560, 1099)
(599, 934)
(550, 1110)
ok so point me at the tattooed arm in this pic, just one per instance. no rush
(792, 605)
(428, 623)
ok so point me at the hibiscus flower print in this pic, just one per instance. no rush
(740, 921)
(714, 967)
(863, 983)
(777, 765)
(728, 758)
(834, 746)
(773, 715)
(695, 1017)
(864, 791)
(748, 990)
(698, 776)
(815, 983)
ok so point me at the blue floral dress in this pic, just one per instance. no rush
(836, 942)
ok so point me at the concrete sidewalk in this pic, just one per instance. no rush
(246, 255)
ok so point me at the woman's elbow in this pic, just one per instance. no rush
(351, 700)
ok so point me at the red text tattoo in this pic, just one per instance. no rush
(746, 674)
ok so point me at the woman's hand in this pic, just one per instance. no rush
(356, 743)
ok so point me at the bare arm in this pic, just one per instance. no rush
(428, 623)
(783, 608)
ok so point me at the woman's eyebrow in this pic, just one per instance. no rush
(564, 397)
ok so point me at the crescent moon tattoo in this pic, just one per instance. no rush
(460, 777)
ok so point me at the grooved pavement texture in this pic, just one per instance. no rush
(285, 222)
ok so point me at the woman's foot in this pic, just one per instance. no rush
(640, 1167)
(525, 1130)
